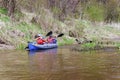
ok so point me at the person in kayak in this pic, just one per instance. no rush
(51, 39)
(40, 39)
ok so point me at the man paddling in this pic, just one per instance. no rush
(40, 39)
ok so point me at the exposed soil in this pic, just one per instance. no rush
(4, 47)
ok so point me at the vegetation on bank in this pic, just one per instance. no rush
(81, 19)
(66, 41)
(96, 46)
(16, 33)
(93, 10)
(19, 33)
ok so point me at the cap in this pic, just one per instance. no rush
(40, 35)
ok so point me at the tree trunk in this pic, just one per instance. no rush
(5, 3)
(11, 8)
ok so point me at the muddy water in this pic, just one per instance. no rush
(60, 64)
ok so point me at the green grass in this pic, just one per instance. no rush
(29, 30)
(88, 45)
(118, 45)
(21, 46)
(95, 12)
(3, 11)
(65, 41)
(56, 10)
(4, 18)
(18, 15)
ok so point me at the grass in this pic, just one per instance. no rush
(65, 41)
(4, 18)
(56, 10)
(48, 22)
(88, 45)
(18, 15)
(28, 30)
(21, 46)
(3, 11)
(95, 12)
(14, 38)
(117, 45)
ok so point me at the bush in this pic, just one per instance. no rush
(88, 45)
(95, 12)
(3, 11)
(65, 41)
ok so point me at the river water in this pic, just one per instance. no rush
(60, 64)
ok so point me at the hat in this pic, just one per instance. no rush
(40, 35)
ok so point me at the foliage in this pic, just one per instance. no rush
(118, 45)
(112, 11)
(21, 46)
(19, 33)
(56, 10)
(95, 12)
(3, 10)
(65, 41)
(88, 45)
(90, 9)
(18, 15)
(10, 5)
(4, 18)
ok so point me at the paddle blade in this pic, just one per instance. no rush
(60, 35)
(49, 33)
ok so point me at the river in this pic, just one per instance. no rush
(60, 64)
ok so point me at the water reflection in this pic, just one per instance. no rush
(49, 51)
(64, 64)
(60, 64)
(43, 61)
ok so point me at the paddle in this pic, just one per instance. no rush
(54, 38)
(60, 35)
(49, 33)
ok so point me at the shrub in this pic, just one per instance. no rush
(95, 12)
(88, 45)
(3, 11)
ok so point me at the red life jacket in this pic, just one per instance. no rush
(40, 41)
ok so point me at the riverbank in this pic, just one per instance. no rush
(88, 46)
(18, 33)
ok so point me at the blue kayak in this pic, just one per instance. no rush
(34, 46)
